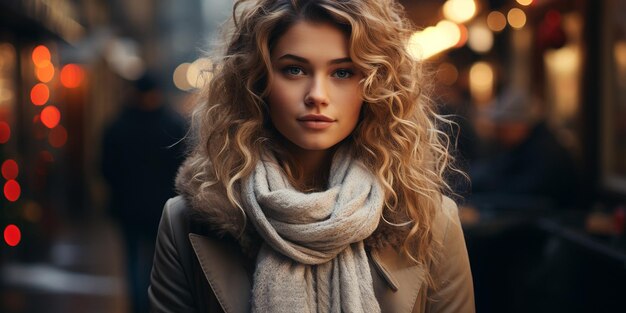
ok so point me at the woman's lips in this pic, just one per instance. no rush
(315, 121)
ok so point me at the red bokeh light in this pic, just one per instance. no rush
(58, 136)
(45, 73)
(41, 55)
(40, 94)
(72, 75)
(10, 170)
(12, 235)
(12, 190)
(50, 116)
(5, 132)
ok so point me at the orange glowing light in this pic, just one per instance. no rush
(40, 94)
(12, 235)
(41, 55)
(45, 73)
(12, 190)
(5, 132)
(50, 116)
(464, 36)
(525, 2)
(58, 136)
(9, 169)
(72, 75)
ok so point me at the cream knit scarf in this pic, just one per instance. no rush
(313, 259)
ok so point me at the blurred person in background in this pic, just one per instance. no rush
(520, 170)
(140, 156)
(528, 165)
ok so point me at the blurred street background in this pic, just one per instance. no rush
(94, 100)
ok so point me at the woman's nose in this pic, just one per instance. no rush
(317, 93)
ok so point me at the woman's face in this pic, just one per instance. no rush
(315, 96)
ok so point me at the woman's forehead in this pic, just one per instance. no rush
(312, 41)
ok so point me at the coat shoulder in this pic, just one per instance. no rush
(445, 219)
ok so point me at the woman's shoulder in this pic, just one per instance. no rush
(446, 219)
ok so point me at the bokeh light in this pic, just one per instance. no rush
(72, 76)
(447, 73)
(12, 235)
(50, 116)
(5, 132)
(12, 190)
(434, 39)
(516, 18)
(198, 73)
(525, 2)
(480, 38)
(464, 36)
(180, 77)
(496, 21)
(40, 94)
(459, 11)
(41, 55)
(58, 136)
(10, 170)
(481, 82)
(45, 73)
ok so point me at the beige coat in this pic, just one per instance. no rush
(197, 271)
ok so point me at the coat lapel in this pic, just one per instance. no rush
(397, 282)
(225, 272)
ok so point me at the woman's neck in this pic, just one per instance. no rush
(313, 167)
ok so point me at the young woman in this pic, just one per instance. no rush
(316, 179)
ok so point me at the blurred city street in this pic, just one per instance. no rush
(95, 105)
(84, 272)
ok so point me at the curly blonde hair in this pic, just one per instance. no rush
(397, 135)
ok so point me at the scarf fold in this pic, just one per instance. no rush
(313, 258)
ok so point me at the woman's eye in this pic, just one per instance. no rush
(343, 73)
(293, 70)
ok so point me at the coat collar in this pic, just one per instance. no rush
(397, 285)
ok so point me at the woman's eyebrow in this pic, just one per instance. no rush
(303, 60)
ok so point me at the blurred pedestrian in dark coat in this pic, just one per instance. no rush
(531, 165)
(142, 151)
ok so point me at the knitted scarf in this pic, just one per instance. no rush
(313, 257)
